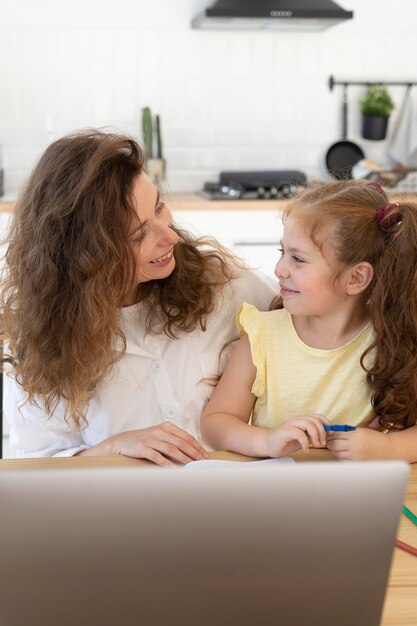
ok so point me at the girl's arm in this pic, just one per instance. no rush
(403, 444)
(366, 444)
(224, 423)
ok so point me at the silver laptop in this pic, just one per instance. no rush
(304, 544)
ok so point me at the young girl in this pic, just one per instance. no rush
(340, 345)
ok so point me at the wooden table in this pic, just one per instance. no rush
(400, 607)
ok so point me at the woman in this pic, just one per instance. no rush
(111, 315)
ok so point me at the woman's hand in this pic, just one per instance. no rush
(362, 444)
(164, 444)
(297, 432)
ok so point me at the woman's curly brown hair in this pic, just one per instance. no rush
(346, 212)
(69, 265)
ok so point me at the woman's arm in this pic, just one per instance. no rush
(34, 434)
(224, 423)
(164, 444)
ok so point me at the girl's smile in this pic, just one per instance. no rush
(286, 292)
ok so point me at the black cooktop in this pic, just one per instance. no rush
(274, 184)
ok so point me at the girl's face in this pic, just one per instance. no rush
(152, 238)
(306, 277)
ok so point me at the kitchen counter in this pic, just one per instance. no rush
(6, 206)
(188, 201)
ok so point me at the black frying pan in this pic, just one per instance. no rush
(344, 154)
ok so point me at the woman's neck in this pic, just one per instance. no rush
(329, 332)
(139, 293)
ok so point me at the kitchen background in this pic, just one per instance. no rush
(228, 100)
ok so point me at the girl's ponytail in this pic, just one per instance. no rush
(393, 309)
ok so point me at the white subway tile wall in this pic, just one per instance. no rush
(227, 100)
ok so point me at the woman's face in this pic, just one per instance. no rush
(151, 238)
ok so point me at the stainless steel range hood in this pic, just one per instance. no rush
(285, 15)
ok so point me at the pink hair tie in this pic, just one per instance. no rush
(387, 216)
(377, 188)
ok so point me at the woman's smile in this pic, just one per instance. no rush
(164, 260)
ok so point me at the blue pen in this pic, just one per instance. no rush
(338, 427)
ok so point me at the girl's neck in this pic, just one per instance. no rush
(329, 332)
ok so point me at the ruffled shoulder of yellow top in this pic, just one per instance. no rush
(250, 321)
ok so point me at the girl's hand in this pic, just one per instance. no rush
(164, 444)
(363, 444)
(297, 432)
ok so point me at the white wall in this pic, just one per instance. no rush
(228, 100)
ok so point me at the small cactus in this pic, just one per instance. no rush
(147, 132)
(158, 138)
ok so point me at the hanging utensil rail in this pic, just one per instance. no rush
(405, 83)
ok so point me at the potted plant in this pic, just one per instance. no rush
(155, 165)
(376, 106)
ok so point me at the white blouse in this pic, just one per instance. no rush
(158, 379)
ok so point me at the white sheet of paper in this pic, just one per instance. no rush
(226, 463)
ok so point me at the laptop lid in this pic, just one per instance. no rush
(296, 544)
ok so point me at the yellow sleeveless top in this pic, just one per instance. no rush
(294, 379)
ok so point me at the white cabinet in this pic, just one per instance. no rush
(5, 217)
(255, 235)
